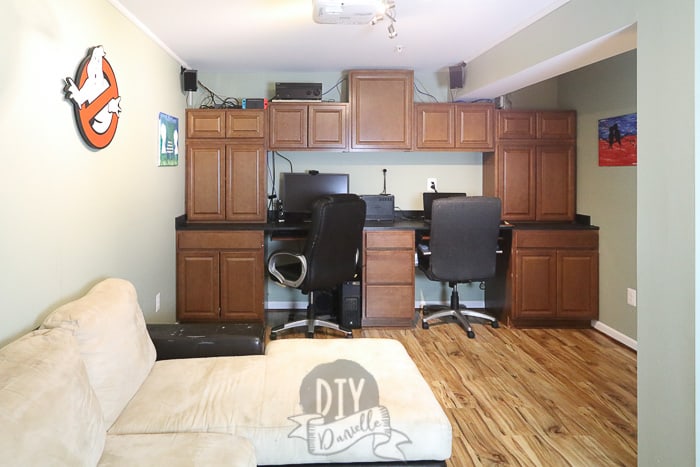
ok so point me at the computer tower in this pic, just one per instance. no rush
(350, 305)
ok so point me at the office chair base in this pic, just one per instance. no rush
(462, 316)
(311, 324)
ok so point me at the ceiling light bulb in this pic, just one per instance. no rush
(392, 31)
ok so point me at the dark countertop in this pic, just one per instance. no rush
(404, 222)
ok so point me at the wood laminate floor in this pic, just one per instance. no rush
(526, 397)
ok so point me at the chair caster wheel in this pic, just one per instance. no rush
(426, 325)
(470, 334)
(273, 336)
(309, 335)
(495, 325)
(348, 336)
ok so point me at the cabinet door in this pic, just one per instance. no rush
(197, 286)
(328, 126)
(517, 181)
(474, 127)
(288, 126)
(535, 284)
(205, 181)
(381, 103)
(245, 183)
(242, 285)
(249, 123)
(206, 123)
(556, 125)
(513, 124)
(577, 284)
(434, 126)
(556, 179)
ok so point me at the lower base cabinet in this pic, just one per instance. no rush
(388, 278)
(550, 280)
(220, 276)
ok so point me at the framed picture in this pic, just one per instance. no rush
(617, 140)
(168, 135)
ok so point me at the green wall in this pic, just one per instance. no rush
(666, 221)
(607, 194)
(72, 215)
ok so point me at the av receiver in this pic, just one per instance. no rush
(298, 91)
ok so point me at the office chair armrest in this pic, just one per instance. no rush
(288, 257)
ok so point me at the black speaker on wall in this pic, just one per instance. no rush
(457, 76)
(189, 80)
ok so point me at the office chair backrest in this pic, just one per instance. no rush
(334, 241)
(464, 238)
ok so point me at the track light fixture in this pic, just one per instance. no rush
(390, 13)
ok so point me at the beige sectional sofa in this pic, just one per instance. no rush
(86, 389)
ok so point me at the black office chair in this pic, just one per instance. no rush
(331, 256)
(463, 247)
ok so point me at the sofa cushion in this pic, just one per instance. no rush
(49, 414)
(178, 450)
(113, 340)
(347, 400)
(262, 398)
(212, 394)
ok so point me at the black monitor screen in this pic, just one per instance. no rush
(298, 191)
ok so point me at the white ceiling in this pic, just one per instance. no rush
(280, 35)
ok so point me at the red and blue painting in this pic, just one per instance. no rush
(617, 140)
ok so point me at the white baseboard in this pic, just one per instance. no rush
(286, 305)
(599, 326)
(614, 334)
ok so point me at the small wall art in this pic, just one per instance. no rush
(168, 136)
(617, 141)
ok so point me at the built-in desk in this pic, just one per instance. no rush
(546, 276)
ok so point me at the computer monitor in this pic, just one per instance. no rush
(298, 191)
(429, 197)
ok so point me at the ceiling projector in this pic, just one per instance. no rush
(346, 11)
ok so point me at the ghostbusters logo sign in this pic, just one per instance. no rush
(96, 99)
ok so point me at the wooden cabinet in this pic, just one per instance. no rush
(462, 127)
(225, 166)
(523, 124)
(381, 109)
(299, 126)
(552, 278)
(388, 278)
(533, 169)
(220, 276)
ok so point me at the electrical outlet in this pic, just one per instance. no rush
(632, 297)
(431, 184)
(157, 302)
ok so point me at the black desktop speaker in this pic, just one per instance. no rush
(189, 80)
(457, 76)
(350, 305)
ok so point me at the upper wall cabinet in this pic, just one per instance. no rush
(516, 124)
(533, 169)
(221, 123)
(225, 165)
(381, 103)
(300, 126)
(459, 127)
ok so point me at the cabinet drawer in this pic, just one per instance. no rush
(582, 239)
(244, 239)
(389, 267)
(392, 239)
(389, 302)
